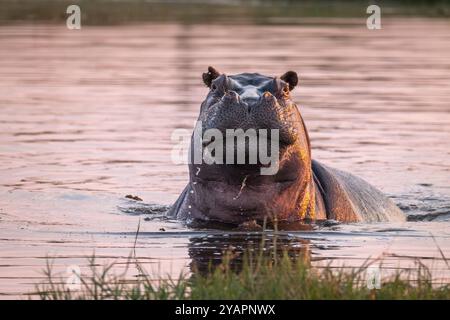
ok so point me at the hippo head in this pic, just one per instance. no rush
(251, 101)
(236, 191)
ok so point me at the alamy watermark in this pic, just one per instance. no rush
(73, 281)
(252, 146)
(373, 22)
(73, 21)
(373, 277)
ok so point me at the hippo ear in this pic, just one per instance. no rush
(209, 76)
(291, 78)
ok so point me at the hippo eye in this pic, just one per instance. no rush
(213, 87)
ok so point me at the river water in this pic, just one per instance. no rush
(87, 117)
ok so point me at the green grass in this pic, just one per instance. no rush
(107, 12)
(257, 277)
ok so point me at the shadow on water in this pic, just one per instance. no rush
(209, 251)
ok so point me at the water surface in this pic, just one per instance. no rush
(87, 117)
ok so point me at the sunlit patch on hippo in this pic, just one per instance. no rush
(301, 189)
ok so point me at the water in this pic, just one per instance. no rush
(87, 117)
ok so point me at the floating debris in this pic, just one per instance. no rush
(243, 184)
(136, 198)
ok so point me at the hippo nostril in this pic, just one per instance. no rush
(233, 94)
(230, 96)
(267, 95)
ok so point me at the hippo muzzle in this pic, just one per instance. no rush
(235, 105)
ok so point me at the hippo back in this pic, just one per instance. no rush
(351, 199)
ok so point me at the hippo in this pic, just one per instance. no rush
(299, 190)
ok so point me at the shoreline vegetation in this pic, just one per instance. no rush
(106, 12)
(254, 275)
